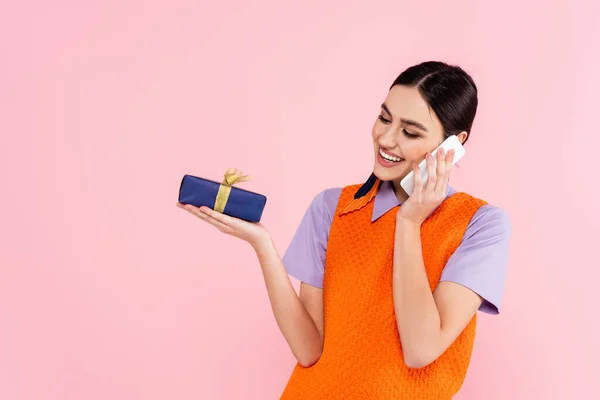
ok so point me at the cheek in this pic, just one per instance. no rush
(375, 133)
(413, 150)
(378, 131)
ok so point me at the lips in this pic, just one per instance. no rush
(390, 157)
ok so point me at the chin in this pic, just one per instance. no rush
(389, 174)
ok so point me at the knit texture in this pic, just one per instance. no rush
(362, 355)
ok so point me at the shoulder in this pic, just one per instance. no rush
(491, 220)
(304, 258)
(486, 215)
(480, 261)
(324, 203)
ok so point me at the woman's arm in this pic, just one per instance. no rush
(300, 319)
(428, 323)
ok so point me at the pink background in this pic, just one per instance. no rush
(108, 291)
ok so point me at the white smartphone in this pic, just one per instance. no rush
(452, 143)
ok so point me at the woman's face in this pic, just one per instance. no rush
(406, 129)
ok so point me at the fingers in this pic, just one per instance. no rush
(450, 158)
(418, 186)
(441, 163)
(432, 177)
(444, 168)
(441, 169)
(194, 210)
(217, 216)
(208, 215)
(438, 171)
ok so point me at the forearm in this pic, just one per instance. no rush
(417, 316)
(294, 321)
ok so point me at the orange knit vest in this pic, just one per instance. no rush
(362, 354)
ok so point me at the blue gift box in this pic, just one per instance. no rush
(228, 199)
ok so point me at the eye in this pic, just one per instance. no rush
(410, 135)
(382, 119)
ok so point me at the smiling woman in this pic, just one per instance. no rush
(391, 283)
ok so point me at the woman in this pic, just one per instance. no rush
(390, 283)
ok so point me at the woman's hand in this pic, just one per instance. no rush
(424, 199)
(252, 232)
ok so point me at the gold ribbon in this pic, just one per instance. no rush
(225, 188)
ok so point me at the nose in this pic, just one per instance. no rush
(388, 139)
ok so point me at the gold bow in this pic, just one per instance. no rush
(231, 177)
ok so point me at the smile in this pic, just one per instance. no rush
(389, 157)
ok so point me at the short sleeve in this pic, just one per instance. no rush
(304, 258)
(480, 261)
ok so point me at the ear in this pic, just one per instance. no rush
(462, 136)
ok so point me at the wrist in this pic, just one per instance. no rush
(407, 223)
(262, 244)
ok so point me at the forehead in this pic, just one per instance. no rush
(407, 102)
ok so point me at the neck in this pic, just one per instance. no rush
(399, 192)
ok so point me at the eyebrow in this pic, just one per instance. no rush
(406, 121)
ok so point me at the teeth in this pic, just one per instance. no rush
(389, 158)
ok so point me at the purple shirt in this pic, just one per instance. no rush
(479, 262)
